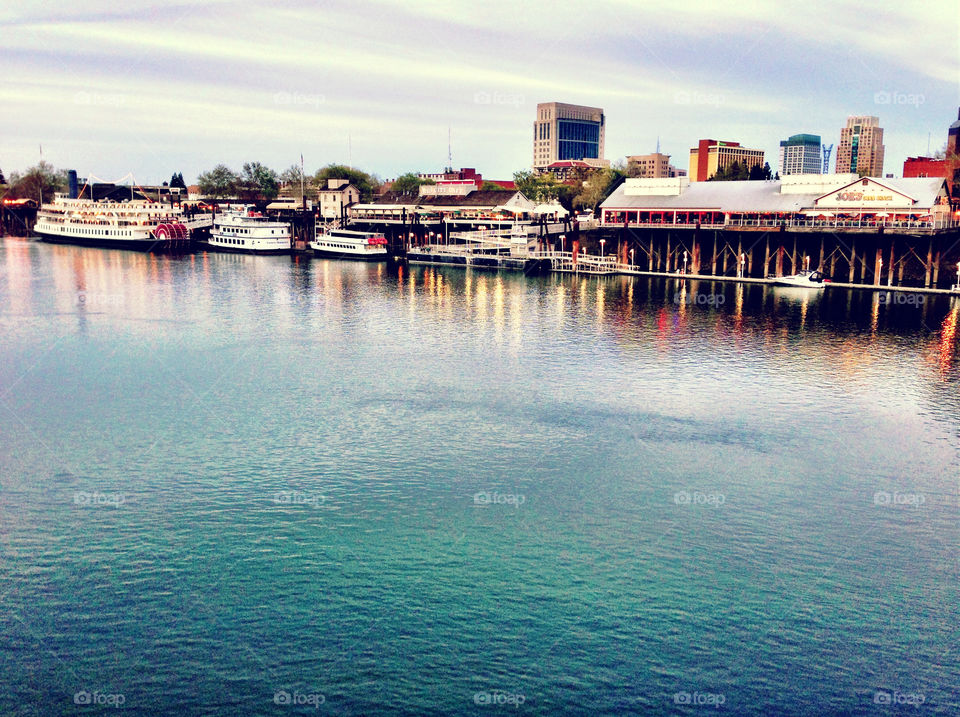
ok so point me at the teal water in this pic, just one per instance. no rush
(231, 482)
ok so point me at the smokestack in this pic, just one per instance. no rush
(72, 183)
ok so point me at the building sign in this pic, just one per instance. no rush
(865, 193)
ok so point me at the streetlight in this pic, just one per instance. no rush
(631, 257)
(684, 261)
(564, 236)
(602, 242)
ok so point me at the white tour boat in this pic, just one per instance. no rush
(130, 224)
(248, 231)
(805, 279)
(348, 244)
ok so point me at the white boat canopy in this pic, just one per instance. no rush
(551, 208)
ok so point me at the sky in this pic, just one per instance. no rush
(154, 88)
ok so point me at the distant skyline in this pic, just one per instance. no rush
(156, 88)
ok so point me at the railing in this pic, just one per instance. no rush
(932, 225)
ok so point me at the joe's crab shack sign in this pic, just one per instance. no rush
(865, 192)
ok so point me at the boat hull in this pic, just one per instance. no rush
(205, 246)
(142, 245)
(335, 254)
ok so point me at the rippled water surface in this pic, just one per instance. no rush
(231, 482)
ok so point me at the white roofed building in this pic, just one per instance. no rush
(802, 201)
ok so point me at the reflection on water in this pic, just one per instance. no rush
(843, 328)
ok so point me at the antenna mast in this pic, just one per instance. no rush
(449, 152)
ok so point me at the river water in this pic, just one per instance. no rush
(262, 485)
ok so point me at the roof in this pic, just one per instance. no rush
(760, 196)
(477, 198)
(568, 163)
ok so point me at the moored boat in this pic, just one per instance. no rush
(805, 279)
(349, 244)
(142, 225)
(248, 231)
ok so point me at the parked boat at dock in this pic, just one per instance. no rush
(349, 244)
(248, 231)
(805, 279)
(131, 224)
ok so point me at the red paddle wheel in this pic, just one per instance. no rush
(172, 234)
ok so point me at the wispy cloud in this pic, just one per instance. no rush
(201, 82)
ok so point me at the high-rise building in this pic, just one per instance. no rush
(654, 165)
(861, 147)
(800, 154)
(563, 131)
(709, 156)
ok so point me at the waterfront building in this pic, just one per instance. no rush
(450, 174)
(861, 147)
(481, 204)
(795, 201)
(338, 195)
(800, 154)
(655, 165)
(709, 156)
(564, 132)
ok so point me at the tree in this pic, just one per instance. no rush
(39, 182)
(486, 186)
(537, 187)
(366, 183)
(259, 181)
(219, 182)
(2, 179)
(177, 181)
(409, 183)
(596, 186)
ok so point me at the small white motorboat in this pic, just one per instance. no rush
(805, 279)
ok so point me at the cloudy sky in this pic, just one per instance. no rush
(157, 87)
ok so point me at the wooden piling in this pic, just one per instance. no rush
(891, 264)
(853, 258)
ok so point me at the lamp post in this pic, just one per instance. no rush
(631, 257)
(684, 262)
(602, 242)
(562, 237)
(958, 274)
